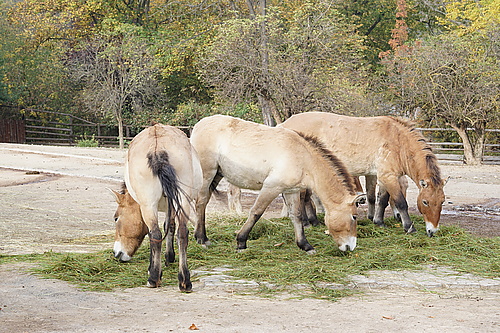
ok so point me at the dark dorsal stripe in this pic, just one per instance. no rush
(333, 160)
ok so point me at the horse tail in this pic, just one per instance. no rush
(159, 164)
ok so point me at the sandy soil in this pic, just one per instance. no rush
(55, 198)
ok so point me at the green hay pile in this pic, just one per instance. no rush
(273, 257)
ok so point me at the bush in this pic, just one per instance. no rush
(86, 142)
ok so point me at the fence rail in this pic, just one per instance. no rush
(56, 128)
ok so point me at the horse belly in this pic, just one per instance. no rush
(243, 176)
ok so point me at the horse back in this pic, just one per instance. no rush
(362, 143)
(246, 153)
(158, 154)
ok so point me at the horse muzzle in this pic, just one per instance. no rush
(349, 245)
(431, 229)
(119, 254)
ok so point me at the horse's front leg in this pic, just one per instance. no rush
(265, 197)
(403, 183)
(393, 189)
(292, 200)
(402, 209)
(182, 240)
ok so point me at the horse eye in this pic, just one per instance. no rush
(425, 202)
(354, 217)
(116, 218)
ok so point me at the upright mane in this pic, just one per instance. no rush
(334, 162)
(424, 148)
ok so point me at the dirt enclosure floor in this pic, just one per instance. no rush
(55, 199)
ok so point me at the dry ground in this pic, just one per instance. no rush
(66, 207)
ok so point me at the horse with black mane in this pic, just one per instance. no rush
(383, 149)
(162, 172)
(274, 161)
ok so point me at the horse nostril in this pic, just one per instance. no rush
(430, 233)
(347, 248)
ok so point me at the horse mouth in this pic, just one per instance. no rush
(350, 245)
(122, 256)
(431, 229)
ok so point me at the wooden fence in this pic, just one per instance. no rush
(12, 130)
(453, 151)
(56, 128)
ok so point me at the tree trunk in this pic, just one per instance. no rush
(264, 100)
(120, 133)
(119, 120)
(473, 151)
(266, 107)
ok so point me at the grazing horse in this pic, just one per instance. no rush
(383, 149)
(162, 172)
(274, 161)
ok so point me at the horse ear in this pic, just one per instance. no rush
(118, 196)
(359, 199)
(423, 183)
(445, 180)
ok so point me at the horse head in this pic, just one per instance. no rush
(130, 227)
(429, 202)
(341, 222)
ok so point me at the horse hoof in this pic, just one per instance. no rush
(315, 223)
(240, 250)
(311, 252)
(411, 230)
(380, 224)
(186, 288)
(153, 284)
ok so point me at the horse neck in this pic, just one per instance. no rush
(413, 160)
(326, 183)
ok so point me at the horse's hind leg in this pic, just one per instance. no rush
(150, 217)
(182, 240)
(263, 200)
(308, 210)
(209, 185)
(234, 199)
(371, 184)
(293, 202)
(169, 240)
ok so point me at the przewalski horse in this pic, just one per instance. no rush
(383, 149)
(162, 172)
(274, 161)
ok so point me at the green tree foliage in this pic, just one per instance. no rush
(375, 21)
(451, 80)
(313, 60)
(117, 73)
(453, 77)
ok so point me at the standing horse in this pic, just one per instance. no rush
(274, 161)
(384, 149)
(162, 172)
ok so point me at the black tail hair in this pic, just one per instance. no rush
(159, 164)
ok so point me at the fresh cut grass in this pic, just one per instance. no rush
(272, 257)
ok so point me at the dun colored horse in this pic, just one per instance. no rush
(383, 149)
(274, 161)
(162, 172)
